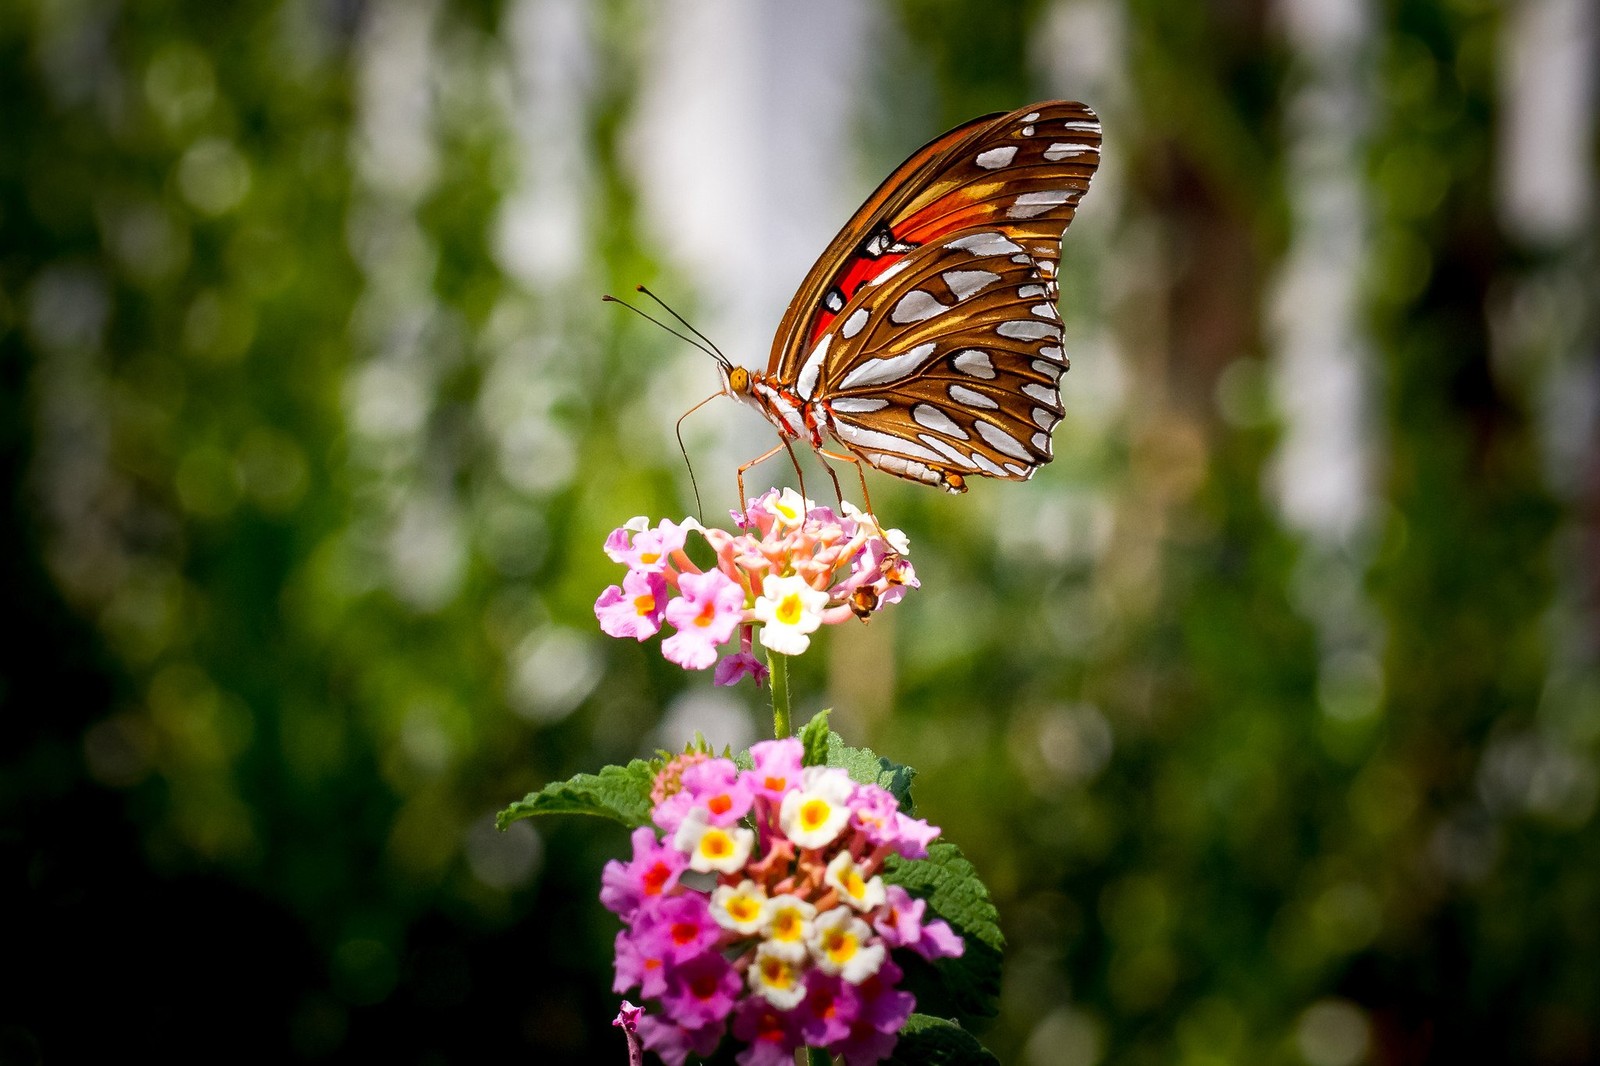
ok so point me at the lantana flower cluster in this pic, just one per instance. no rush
(762, 909)
(791, 567)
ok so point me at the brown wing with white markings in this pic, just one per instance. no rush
(945, 361)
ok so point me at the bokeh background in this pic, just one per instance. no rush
(1269, 711)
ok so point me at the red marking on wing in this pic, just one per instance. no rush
(861, 269)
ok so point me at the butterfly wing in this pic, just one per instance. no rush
(935, 345)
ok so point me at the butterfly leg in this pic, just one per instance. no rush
(795, 462)
(866, 497)
(782, 445)
(837, 491)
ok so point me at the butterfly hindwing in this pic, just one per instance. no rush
(950, 364)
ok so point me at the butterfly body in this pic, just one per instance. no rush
(926, 339)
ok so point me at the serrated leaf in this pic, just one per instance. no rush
(621, 793)
(929, 1041)
(967, 988)
(814, 739)
(870, 768)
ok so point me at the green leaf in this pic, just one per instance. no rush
(870, 768)
(967, 988)
(929, 1041)
(621, 793)
(814, 739)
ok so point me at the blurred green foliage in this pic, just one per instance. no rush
(311, 453)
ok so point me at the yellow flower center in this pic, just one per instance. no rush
(789, 609)
(840, 946)
(743, 909)
(716, 845)
(786, 925)
(644, 604)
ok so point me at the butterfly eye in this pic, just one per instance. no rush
(739, 379)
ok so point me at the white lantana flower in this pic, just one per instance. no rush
(778, 976)
(859, 892)
(712, 847)
(788, 926)
(789, 610)
(839, 946)
(790, 508)
(813, 815)
(741, 908)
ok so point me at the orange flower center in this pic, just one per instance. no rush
(814, 812)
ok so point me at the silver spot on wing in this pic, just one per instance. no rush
(871, 439)
(930, 417)
(806, 381)
(915, 306)
(985, 244)
(1023, 329)
(972, 398)
(995, 158)
(856, 405)
(947, 449)
(883, 371)
(973, 361)
(1032, 204)
(965, 283)
(1057, 152)
(1002, 441)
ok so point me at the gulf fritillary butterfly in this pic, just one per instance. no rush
(926, 338)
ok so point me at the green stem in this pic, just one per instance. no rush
(779, 682)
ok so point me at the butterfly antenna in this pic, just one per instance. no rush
(711, 351)
(668, 309)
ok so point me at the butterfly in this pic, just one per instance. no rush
(926, 338)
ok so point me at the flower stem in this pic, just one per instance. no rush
(778, 664)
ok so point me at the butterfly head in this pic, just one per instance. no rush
(736, 381)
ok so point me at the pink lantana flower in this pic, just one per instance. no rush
(628, 1017)
(708, 609)
(635, 609)
(652, 873)
(775, 769)
(784, 933)
(787, 568)
(732, 669)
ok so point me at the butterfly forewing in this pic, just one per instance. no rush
(1021, 173)
(935, 345)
